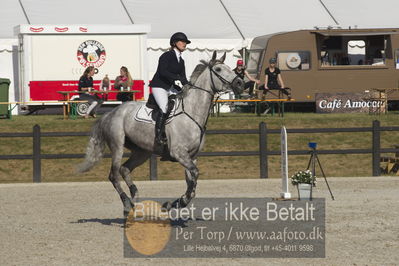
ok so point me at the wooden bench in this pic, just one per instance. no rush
(66, 105)
(257, 103)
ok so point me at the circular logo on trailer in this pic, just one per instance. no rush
(91, 53)
(293, 60)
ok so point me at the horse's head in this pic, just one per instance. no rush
(222, 77)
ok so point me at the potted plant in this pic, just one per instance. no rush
(304, 180)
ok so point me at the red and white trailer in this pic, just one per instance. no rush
(53, 57)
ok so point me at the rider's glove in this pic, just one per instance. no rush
(178, 85)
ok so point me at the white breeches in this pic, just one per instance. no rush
(161, 97)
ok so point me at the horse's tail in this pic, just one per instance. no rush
(95, 148)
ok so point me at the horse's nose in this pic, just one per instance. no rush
(238, 84)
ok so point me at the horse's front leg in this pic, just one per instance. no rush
(191, 180)
(192, 174)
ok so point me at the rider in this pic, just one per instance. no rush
(169, 79)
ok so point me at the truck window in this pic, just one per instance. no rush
(353, 50)
(293, 60)
(253, 62)
(356, 52)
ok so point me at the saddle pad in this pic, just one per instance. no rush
(144, 114)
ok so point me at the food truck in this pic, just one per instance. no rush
(53, 57)
(330, 60)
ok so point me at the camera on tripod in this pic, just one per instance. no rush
(312, 145)
(313, 160)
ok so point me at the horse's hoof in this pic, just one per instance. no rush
(127, 209)
(133, 190)
(181, 203)
(167, 205)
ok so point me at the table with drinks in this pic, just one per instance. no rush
(67, 96)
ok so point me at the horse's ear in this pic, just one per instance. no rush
(223, 57)
(213, 56)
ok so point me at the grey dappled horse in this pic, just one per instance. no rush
(185, 133)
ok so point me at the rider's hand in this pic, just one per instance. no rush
(178, 84)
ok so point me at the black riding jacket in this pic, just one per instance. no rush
(169, 70)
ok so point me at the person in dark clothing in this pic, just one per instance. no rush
(242, 73)
(273, 79)
(169, 79)
(86, 84)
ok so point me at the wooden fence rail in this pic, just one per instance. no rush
(262, 152)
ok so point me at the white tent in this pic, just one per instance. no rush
(364, 13)
(199, 49)
(201, 19)
(198, 19)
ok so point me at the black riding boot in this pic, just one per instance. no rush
(160, 137)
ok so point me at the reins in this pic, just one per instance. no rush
(211, 93)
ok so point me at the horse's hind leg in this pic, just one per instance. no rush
(114, 177)
(137, 158)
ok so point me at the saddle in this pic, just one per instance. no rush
(149, 112)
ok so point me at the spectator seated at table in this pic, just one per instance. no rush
(124, 82)
(86, 84)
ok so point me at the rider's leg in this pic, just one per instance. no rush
(161, 97)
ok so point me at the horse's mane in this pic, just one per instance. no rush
(198, 70)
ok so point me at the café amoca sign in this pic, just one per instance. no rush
(348, 103)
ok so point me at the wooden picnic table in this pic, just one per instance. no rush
(257, 102)
(67, 96)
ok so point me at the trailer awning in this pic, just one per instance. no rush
(365, 33)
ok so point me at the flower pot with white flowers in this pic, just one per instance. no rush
(304, 180)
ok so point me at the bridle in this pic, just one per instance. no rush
(211, 93)
(222, 79)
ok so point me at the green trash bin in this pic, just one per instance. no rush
(4, 85)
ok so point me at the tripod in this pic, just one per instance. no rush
(312, 161)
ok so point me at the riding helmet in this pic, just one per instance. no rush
(178, 36)
(240, 62)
